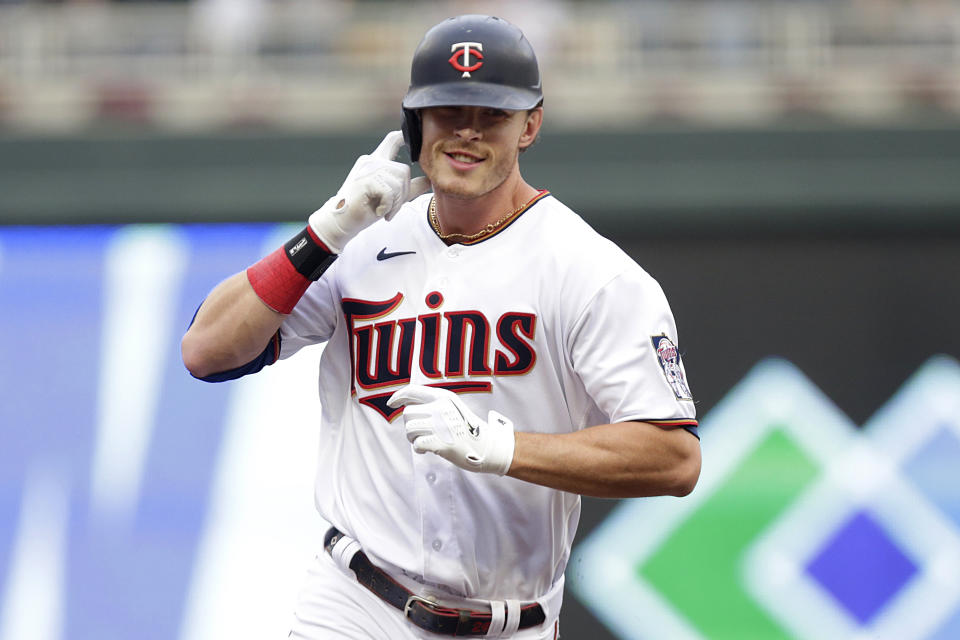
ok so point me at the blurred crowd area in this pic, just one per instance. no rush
(334, 65)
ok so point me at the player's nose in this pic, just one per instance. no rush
(469, 125)
(467, 132)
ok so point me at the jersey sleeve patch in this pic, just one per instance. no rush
(668, 357)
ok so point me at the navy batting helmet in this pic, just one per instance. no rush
(470, 60)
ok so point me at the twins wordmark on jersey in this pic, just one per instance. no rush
(450, 345)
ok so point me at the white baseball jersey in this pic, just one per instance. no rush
(545, 321)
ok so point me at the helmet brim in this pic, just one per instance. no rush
(472, 94)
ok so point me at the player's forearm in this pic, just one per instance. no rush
(231, 328)
(630, 459)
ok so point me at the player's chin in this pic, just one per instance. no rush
(457, 187)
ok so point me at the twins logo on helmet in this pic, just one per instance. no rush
(463, 50)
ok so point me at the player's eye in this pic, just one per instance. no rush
(447, 112)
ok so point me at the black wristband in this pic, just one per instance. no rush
(309, 256)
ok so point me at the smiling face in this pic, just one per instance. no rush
(470, 151)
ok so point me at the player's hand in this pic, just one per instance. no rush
(375, 188)
(438, 421)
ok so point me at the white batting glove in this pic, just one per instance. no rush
(375, 188)
(438, 421)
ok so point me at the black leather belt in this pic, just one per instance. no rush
(421, 611)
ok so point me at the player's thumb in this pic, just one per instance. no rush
(414, 394)
(418, 187)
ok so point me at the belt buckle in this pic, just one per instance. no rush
(430, 604)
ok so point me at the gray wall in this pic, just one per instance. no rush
(814, 176)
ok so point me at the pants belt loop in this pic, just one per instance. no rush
(343, 552)
(513, 618)
(497, 618)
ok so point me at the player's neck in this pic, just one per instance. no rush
(468, 216)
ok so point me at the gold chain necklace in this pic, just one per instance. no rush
(487, 230)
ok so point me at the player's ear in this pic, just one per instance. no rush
(531, 127)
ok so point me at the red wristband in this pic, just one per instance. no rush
(279, 279)
(277, 283)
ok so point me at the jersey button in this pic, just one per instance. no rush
(437, 545)
(431, 477)
(453, 252)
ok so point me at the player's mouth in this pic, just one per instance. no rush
(463, 160)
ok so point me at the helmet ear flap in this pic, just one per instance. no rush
(412, 133)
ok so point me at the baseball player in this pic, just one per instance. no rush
(489, 358)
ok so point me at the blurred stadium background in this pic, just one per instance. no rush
(788, 170)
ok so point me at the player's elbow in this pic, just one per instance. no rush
(686, 467)
(197, 356)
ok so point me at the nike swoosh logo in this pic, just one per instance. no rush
(472, 428)
(383, 255)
